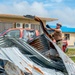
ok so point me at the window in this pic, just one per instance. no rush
(67, 36)
(36, 27)
(14, 33)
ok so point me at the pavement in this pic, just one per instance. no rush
(71, 47)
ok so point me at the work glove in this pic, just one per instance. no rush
(48, 26)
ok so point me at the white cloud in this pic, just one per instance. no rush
(24, 8)
(66, 16)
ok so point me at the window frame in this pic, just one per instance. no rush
(67, 35)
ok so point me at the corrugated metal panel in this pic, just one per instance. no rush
(7, 67)
(4, 42)
(47, 62)
(16, 57)
(69, 64)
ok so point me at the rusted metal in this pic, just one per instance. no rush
(26, 65)
(38, 69)
(28, 71)
(23, 64)
(46, 61)
(20, 63)
(69, 64)
(41, 44)
(12, 69)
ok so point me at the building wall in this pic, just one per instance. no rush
(71, 41)
(32, 24)
(5, 25)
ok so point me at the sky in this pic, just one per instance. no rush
(64, 10)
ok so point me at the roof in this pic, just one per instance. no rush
(19, 18)
(65, 29)
(68, 29)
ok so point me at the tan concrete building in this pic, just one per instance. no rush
(70, 38)
(70, 34)
(14, 21)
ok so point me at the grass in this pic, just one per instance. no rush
(71, 51)
(73, 58)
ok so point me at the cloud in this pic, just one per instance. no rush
(66, 16)
(24, 7)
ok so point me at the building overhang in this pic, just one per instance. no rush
(18, 18)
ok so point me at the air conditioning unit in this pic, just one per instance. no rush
(27, 26)
(19, 25)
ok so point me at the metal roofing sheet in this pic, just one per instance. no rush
(27, 47)
(69, 64)
(15, 56)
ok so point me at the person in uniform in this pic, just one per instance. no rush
(57, 35)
